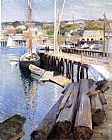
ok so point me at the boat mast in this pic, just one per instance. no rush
(29, 26)
(0, 22)
(55, 26)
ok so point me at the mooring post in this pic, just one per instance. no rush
(72, 72)
(87, 72)
(82, 72)
(69, 70)
(78, 71)
(62, 67)
(66, 68)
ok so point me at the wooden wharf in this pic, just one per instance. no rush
(64, 63)
(85, 52)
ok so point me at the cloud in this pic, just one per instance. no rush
(43, 9)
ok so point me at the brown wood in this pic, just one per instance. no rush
(67, 115)
(97, 100)
(66, 96)
(46, 126)
(78, 72)
(66, 87)
(102, 98)
(84, 119)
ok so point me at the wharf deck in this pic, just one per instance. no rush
(106, 62)
(60, 80)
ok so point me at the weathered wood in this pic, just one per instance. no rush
(82, 133)
(82, 72)
(97, 100)
(46, 126)
(66, 96)
(98, 116)
(67, 115)
(102, 98)
(84, 119)
(78, 72)
(66, 87)
(94, 91)
(105, 87)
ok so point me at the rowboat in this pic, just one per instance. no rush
(40, 74)
(36, 70)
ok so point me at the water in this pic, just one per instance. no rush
(24, 96)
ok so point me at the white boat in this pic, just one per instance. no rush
(36, 70)
(40, 74)
(10, 42)
(13, 61)
(85, 46)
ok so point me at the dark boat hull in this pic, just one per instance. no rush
(24, 65)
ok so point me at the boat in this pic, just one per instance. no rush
(85, 46)
(30, 57)
(36, 70)
(40, 74)
(10, 42)
(13, 61)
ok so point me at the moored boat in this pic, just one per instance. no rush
(36, 70)
(30, 57)
(40, 74)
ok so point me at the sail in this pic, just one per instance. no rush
(10, 42)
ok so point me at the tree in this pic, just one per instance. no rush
(19, 31)
(15, 24)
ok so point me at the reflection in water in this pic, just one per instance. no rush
(23, 95)
(32, 97)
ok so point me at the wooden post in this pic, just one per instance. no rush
(82, 72)
(78, 72)
(72, 71)
(86, 72)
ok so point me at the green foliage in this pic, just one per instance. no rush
(50, 31)
(15, 24)
(70, 27)
(38, 24)
(19, 31)
(94, 25)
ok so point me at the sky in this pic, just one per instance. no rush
(43, 10)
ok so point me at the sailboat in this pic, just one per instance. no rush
(10, 42)
(30, 57)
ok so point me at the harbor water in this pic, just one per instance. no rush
(24, 95)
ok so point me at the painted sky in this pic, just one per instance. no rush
(13, 10)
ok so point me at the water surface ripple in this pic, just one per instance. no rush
(24, 96)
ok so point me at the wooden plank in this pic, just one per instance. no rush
(83, 125)
(66, 117)
(60, 80)
(66, 96)
(46, 126)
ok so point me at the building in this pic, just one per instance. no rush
(21, 27)
(12, 31)
(93, 35)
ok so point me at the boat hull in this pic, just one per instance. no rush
(24, 65)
